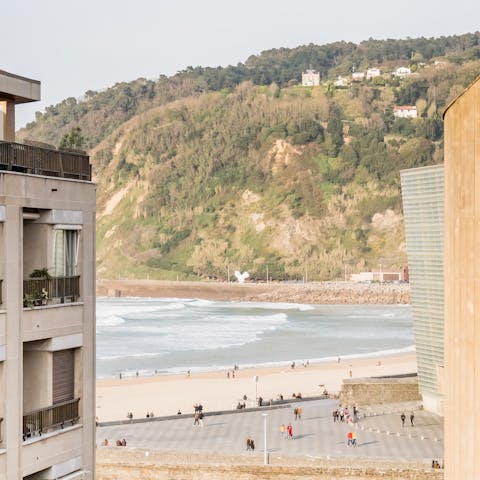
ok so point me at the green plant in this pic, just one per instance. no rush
(41, 273)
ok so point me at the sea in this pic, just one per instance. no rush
(148, 336)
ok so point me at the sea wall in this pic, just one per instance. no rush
(113, 464)
(314, 293)
(378, 391)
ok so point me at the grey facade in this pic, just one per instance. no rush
(423, 207)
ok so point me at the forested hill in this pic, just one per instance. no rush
(243, 168)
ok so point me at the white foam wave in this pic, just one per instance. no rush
(274, 305)
(109, 321)
(200, 303)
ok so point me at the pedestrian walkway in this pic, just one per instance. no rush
(315, 434)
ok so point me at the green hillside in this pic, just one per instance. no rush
(243, 168)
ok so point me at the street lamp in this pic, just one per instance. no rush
(255, 380)
(265, 454)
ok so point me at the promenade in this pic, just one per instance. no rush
(379, 436)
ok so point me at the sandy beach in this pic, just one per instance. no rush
(166, 394)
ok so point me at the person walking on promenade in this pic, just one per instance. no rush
(402, 418)
(354, 439)
(349, 438)
(290, 431)
(412, 416)
(335, 416)
(299, 412)
(283, 431)
(196, 418)
(342, 415)
(295, 413)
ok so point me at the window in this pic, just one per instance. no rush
(63, 376)
(65, 252)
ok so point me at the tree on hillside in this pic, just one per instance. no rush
(73, 140)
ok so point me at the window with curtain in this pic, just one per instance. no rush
(65, 253)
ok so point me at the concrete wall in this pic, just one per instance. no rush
(370, 391)
(462, 285)
(37, 380)
(121, 464)
(37, 247)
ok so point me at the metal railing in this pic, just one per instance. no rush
(44, 161)
(42, 291)
(50, 418)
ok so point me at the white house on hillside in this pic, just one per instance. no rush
(402, 72)
(310, 78)
(407, 111)
(358, 76)
(373, 72)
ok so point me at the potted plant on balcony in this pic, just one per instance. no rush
(37, 298)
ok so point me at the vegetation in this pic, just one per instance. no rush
(216, 169)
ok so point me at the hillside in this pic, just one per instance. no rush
(241, 167)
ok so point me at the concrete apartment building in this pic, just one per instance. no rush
(47, 326)
(423, 209)
(462, 285)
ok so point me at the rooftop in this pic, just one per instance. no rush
(20, 89)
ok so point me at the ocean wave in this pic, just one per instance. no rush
(109, 321)
(200, 303)
(303, 307)
(131, 355)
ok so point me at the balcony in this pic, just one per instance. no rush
(51, 418)
(17, 157)
(44, 291)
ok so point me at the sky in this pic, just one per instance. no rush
(75, 46)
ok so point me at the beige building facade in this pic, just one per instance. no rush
(47, 305)
(462, 286)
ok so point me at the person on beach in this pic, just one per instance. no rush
(196, 418)
(283, 430)
(402, 418)
(299, 412)
(295, 412)
(412, 416)
(290, 431)
(105, 442)
(200, 418)
(228, 374)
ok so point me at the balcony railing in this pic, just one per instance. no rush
(42, 291)
(43, 161)
(50, 418)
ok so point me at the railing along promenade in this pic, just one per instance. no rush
(41, 291)
(22, 158)
(41, 421)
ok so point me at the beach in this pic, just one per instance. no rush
(166, 394)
